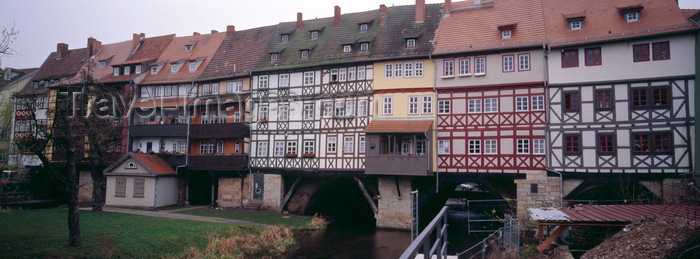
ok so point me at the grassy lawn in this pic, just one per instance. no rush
(262, 216)
(44, 233)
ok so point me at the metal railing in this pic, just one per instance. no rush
(438, 247)
(504, 242)
(492, 218)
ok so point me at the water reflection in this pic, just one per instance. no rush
(352, 242)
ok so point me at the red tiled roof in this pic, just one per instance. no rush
(604, 21)
(151, 48)
(115, 52)
(470, 28)
(615, 213)
(398, 126)
(204, 47)
(242, 51)
(153, 163)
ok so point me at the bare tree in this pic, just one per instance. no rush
(7, 37)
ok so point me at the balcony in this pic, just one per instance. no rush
(219, 131)
(158, 130)
(172, 159)
(218, 162)
(413, 165)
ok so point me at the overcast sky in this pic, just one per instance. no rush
(44, 23)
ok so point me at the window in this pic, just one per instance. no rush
(292, 147)
(632, 17)
(193, 66)
(408, 69)
(237, 146)
(538, 103)
(120, 190)
(364, 46)
(480, 66)
(127, 70)
(660, 50)
(448, 68)
(262, 82)
(304, 54)
(273, 57)
(410, 43)
(659, 97)
(508, 63)
(640, 52)
(464, 66)
(234, 87)
(4, 134)
(262, 113)
(102, 65)
(521, 104)
(603, 99)
(443, 106)
(606, 144)
(154, 70)
(491, 105)
(339, 109)
(188, 47)
(309, 111)
(361, 73)
(490, 147)
(506, 34)
(342, 74)
(443, 147)
(571, 101)
(523, 146)
(348, 144)
(237, 116)
(204, 118)
(262, 149)
(137, 70)
(220, 147)
(474, 146)
(361, 147)
(308, 78)
(575, 25)
(349, 108)
(116, 71)
(427, 104)
(205, 89)
(398, 70)
(593, 56)
(314, 35)
(538, 147)
(175, 67)
(569, 58)
(406, 145)
(283, 80)
(474, 106)
(362, 108)
(284, 38)
(308, 147)
(387, 105)
(283, 113)
(347, 48)
(523, 62)
(206, 147)
(279, 148)
(363, 27)
(334, 75)
(413, 105)
(327, 109)
(418, 67)
(351, 74)
(215, 88)
(331, 145)
(639, 98)
(572, 144)
(662, 142)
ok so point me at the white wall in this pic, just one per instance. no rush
(166, 191)
(129, 200)
(494, 70)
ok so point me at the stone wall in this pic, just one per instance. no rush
(305, 190)
(233, 192)
(538, 190)
(274, 192)
(394, 210)
(674, 190)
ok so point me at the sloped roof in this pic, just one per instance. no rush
(473, 28)
(115, 52)
(398, 126)
(204, 47)
(239, 53)
(387, 41)
(604, 20)
(147, 52)
(65, 67)
(614, 213)
(154, 164)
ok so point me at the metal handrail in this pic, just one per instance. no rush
(439, 247)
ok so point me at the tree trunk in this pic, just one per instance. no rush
(73, 212)
(98, 190)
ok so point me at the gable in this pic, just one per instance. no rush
(129, 166)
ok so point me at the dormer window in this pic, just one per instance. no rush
(347, 48)
(507, 30)
(273, 57)
(174, 67)
(410, 43)
(314, 35)
(364, 27)
(631, 13)
(193, 66)
(189, 47)
(154, 70)
(138, 69)
(632, 17)
(506, 34)
(304, 53)
(116, 71)
(575, 25)
(364, 46)
(103, 64)
(285, 37)
(127, 70)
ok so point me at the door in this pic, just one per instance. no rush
(258, 186)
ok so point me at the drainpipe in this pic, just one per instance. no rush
(435, 119)
(546, 49)
(250, 133)
(561, 187)
(187, 140)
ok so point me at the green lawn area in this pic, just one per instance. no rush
(44, 233)
(262, 216)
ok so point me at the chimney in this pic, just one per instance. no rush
(61, 50)
(299, 20)
(420, 11)
(135, 40)
(447, 8)
(336, 16)
(230, 30)
(195, 34)
(382, 15)
(214, 31)
(91, 46)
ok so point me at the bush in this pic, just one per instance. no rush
(272, 242)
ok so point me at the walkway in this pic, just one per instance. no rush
(171, 215)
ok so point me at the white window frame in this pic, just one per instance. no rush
(632, 17)
(443, 106)
(234, 87)
(273, 56)
(339, 109)
(474, 146)
(524, 62)
(387, 105)
(408, 69)
(342, 74)
(443, 147)
(327, 109)
(309, 78)
(291, 147)
(314, 35)
(262, 149)
(508, 65)
(398, 70)
(283, 113)
(309, 147)
(418, 66)
(448, 68)
(352, 73)
(348, 144)
(347, 48)
(490, 146)
(284, 38)
(575, 25)
(237, 116)
(361, 70)
(538, 146)
(331, 144)
(538, 103)
(474, 106)
(308, 111)
(490, 104)
(215, 88)
(364, 46)
(116, 71)
(263, 113)
(389, 70)
(410, 43)
(464, 68)
(522, 146)
(413, 105)
(427, 104)
(127, 70)
(349, 108)
(279, 148)
(506, 34)
(522, 104)
(263, 82)
(137, 69)
(362, 141)
(480, 66)
(283, 80)
(364, 27)
(362, 108)
(304, 54)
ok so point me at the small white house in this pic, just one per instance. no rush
(141, 180)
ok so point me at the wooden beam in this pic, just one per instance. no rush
(289, 194)
(366, 194)
(551, 238)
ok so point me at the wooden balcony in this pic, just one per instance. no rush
(414, 165)
(220, 130)
(158, 130)
(222, 162)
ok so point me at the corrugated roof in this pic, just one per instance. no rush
(614, 213)
(398, 126)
